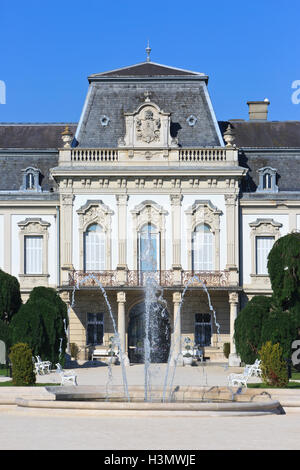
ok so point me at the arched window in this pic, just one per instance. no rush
(202, 248)
(94, 248)
(149, 248)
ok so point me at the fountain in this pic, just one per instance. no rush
(156, 399)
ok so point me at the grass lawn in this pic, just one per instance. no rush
(263, 385)
(296, 375)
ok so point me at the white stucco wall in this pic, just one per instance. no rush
(162, 200)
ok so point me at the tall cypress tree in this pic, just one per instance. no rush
(10, 296)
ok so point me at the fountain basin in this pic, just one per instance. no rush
(196, 401)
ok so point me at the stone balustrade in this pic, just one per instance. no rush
(133, 278)
(92, 157)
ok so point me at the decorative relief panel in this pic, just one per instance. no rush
(147, 127)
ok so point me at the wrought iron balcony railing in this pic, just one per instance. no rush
(138, 278)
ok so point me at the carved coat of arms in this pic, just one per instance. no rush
(148, 128)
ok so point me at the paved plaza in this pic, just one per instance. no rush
(25, 428)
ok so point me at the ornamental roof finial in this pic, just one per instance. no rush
(148, 50)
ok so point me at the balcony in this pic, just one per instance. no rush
(210, 279)
(99, 157)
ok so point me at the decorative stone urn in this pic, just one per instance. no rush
(67, 137)
(187, 360)
(229, 136)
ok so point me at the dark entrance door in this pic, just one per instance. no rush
(159, 333)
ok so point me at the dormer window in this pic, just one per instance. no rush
(31, 179)
(267, 180)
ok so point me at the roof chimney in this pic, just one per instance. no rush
(258, 110)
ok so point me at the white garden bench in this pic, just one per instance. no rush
(98, 353)
(66, 377)
(240, 380)
(41, 367)
(255, 368)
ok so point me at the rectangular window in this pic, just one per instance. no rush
(263, 247)
(203, 329)
(33, 255)
(95, 328)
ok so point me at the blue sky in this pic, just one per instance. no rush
(249, 50)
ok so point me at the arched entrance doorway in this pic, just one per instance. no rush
(159, 333)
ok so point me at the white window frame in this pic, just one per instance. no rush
(261, 228)
(33, 254)
(34, 227)
(262, 252)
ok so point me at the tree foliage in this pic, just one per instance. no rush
(42, 324)
(248, 328)
(277, 318)
(5, 335)
(10, 297)
(284, 271)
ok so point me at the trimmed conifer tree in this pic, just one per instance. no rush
(42, 323)
(10, 296)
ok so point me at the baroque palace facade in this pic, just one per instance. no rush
(148, 181)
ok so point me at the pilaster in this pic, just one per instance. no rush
(122, 200)
(176, 200)
(176, 356)
(66, 235)
(121, 300)
(234, 359)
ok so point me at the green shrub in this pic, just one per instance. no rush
(248, 328)
(74, 350)
(226, 350)
(22, 365)
(273, 366)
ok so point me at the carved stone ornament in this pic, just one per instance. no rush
(147, 127)
(94, 212)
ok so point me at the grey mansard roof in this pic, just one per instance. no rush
(33, 136)
(183, 94)
(29, 145)
(273, 144)
(180, 92)
(264, 134)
